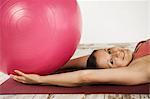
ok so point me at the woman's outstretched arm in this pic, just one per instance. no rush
(138, 72)
(121, 76)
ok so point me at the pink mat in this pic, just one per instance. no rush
(13, 87)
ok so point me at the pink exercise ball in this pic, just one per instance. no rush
(38, 36)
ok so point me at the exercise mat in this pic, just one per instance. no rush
(13, 87)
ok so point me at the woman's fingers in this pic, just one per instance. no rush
(20, 80)
(20, 73)
(17, 77)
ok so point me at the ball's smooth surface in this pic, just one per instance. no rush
(38, 36)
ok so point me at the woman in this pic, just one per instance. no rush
(104, 66)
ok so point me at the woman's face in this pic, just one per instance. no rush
(113, 57)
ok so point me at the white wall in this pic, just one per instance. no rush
(107, 21)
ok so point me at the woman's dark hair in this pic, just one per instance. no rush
(91, 62)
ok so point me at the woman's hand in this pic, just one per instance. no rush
(26, 78)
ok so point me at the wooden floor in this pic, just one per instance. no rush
(83, 50)
(77, 96)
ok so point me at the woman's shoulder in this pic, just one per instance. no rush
(142, 63)
(144, 59)
(142, 67)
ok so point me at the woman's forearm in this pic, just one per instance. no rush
(76, 63)
(69, 79)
